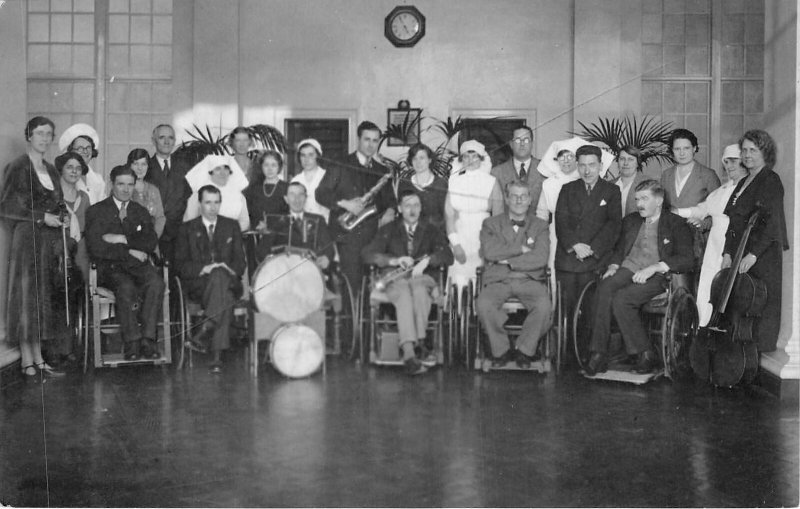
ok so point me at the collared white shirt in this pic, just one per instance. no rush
(362, 159)
(161, 161)
(680, 182)
(208, 223)
(119, 203)
(527, 163)
(624, 190)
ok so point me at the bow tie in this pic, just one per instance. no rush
(520, 224)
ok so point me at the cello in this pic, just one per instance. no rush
(726, 353)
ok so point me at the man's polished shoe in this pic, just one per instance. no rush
(131, 351)
(523, 361)
(646, 363)
(414, 367)
(149, 349)
(598, 363)
(500, 362)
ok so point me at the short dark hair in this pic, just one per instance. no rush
(239, 130)
(589, 150)
(121, 170)
(683, 134)
(136, 154)
(654, 186)
(515, 183)
(298, 184)
(632, 151)
(95, 153)
(268, 153)
(527, 128)
(208, 188)
(66, 156)
(367, 126)
(419, 147)
(38, 122)
(405, 193)
(765, 144)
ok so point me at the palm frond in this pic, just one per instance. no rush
(268, 136)
(648, 135)
(403, 132)
(449, 128)
(442, 163)
(202, 144)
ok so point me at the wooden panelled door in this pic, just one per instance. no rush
(331, 133)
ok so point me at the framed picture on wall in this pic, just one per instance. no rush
(403, 126)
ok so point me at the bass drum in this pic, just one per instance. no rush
(296, 351)
(288, 287)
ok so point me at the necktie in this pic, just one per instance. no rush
(588, 189)
(166, 167)
(410, 243)
(123, 211)
(211, 232)
(523, 175)
(519, 224)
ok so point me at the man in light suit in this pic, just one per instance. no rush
(409, 242)
(522, 166)
(120, 238)
(342, 190)
(515, 247)
(653, 242)
(210, 260)
(168, 174)
(588, 216)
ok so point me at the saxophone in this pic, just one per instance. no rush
(348, 221)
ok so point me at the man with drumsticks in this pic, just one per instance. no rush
(210, 260)
(420, 248)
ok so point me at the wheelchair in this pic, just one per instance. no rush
(379, 322)
(100, 331)
(671, 321)
(472, 341)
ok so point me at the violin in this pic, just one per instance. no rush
(726, 353)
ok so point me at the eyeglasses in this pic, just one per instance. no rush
(522, 141)
(566, 158)
(82, 150)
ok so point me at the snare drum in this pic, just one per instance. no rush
(296, 351)
(288, 287)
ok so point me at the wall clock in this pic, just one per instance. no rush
(404, 26)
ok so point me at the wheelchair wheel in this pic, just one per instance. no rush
(680, 331)
(472, 332)
(581, 323)
(453, 339)
(82, 326)
(349, 318)
(360, 350)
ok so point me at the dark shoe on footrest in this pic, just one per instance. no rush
(414, 367)
(500, 362)
(646, 363)
(598, 363)
(131, 351)
(523, 361)
(149, 349)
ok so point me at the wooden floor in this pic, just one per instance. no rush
(364, 436)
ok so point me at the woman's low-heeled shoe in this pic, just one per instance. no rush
(29, 371)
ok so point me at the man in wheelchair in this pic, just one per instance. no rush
(515, 249)
(409, 245)
(210, 260)
(653, 242)
(121, 238)
(300, 230)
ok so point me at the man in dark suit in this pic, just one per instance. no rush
(522, 166)
(300, 229)
(342, 189)
(168, 174)
(120, 237)
(515, 247)
(421, 247)
(210, 260)
(653, 242)
(588, 216)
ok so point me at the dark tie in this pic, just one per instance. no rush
(211, 232)
(523, 175)
(588, 189)
(410, 243)
(123, 211)
(166, 167)
(519, 224)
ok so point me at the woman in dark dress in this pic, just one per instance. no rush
(763, 254)
(266, 192)
(30, 203)
(431, 189)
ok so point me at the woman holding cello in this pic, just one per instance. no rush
(761, 189)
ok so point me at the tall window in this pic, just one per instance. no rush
(64, 42)
(702, 65)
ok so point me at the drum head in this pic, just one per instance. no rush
(296, 351)
(288, 287)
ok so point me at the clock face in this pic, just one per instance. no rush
(404, 26)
